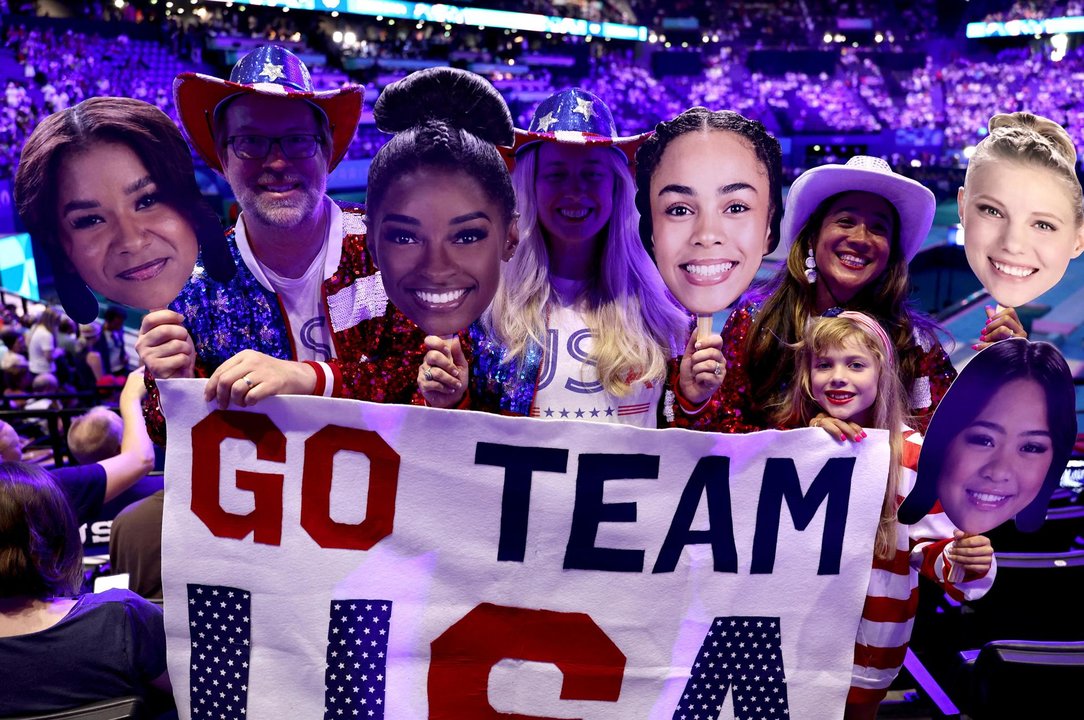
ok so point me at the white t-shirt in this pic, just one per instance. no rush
(39, 350)
(302, 298)
(568, 385)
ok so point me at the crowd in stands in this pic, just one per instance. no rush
(860, 95)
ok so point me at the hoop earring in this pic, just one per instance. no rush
(810, 268)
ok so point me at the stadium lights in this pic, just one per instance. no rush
(1036, 27)
(969, 151)
(119, 4)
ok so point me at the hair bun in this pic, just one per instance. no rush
(458, 98)
(1044, 127)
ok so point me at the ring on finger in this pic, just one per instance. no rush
(428, 375)
(718, 368)
(247, 381)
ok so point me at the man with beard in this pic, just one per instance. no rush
(305, 289)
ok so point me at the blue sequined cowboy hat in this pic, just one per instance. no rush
(576, 117)
(269, 70)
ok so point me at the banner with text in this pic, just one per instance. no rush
(340, 559)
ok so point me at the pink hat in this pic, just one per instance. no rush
(862, 173)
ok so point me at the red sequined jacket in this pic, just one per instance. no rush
(732, 408)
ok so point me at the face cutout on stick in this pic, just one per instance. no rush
(1020, 229)
(439, 240)
(999, 441)
(115, 227)
(710, 218)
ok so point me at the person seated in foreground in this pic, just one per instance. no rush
(60, 649)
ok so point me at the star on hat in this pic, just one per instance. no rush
(585, 108)
(272, 71)
(546, 121)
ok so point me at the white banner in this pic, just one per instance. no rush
(340, 559)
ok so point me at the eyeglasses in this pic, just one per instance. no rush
(256, 147)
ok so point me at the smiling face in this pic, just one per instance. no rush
(1019, 229)
(439, 244)
(710, 212)
(843, 381)
(275, 190)
(574, 191)
(995, 466)
(853, 246)
(124, 241)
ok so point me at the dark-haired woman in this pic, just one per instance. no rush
(108, 188)
(999, 442)
(441, 211)
(58, 649)
(582, 327)
(709, 192)
(850, 231)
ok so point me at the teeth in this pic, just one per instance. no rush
(840, 395)
(849, 259)
(708, 270)
(441, 298)
(1014, 270)
(574, 214)
(987, 497)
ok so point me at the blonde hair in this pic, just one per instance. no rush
(1034, 140)
(889, 408)
(635, 324)
(95, 436)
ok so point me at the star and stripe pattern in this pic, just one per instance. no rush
(742, 655)
(355, 680)
(219, 620)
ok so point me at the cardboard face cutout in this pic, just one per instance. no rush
(439, 240)
(1020, 228)
(108, 188)
(710, 217)
(1000, 439)
(123, 240)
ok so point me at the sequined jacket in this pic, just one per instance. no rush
(378, 349)
(731, 409)
(508, 388)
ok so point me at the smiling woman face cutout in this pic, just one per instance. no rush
(439, 240)
(123, 240)
(710, 213)
(996, 465)
(1019, 230)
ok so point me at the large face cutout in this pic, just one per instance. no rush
(999, 440)
(995, 466)
(439, 243)
(1019, 229)
(710, 217)
(124, 241)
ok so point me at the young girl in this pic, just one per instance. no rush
(847, 370)
(581, 326)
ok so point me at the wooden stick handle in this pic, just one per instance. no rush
(704, 325)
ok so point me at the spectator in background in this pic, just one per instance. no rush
(41, 342)
(95, 436)
(88, 487)
(110, 344)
